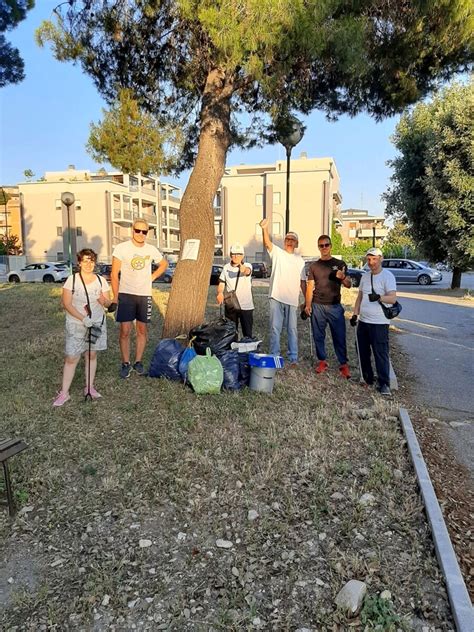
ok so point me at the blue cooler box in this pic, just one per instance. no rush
(265, 361)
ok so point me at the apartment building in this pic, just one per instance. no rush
(356, 224)
(105, 206)
(250, 192)
(10, 216)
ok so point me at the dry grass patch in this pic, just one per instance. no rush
(124, 499)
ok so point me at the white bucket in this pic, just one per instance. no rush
(262, 379)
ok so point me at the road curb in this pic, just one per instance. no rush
(461, 605)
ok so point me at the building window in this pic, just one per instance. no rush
(276, 228)
(277, 198)
(59, 231)
(59, 256)
(79, 231)
(58, 204)
(259, 199)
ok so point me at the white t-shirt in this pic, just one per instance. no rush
(384, 282)
(79, 299)
(287, 272)
(244, 287)
(135, 272)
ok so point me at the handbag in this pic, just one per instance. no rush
(390, 311)
(231, 301)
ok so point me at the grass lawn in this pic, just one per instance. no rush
(122, 500)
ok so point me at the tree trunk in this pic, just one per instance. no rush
(187, 302)
(456, 280)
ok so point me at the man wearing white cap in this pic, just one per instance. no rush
(237, 276)
(378, 286)
(287, 278)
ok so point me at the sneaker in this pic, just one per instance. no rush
(61, 399)
(344, 371)
(322, 366)
(385, 390)
(93, 393)
(125, 370)
(139, 368)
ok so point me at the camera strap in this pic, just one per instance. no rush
(89, 311)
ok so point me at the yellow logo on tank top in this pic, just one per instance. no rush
(138, 263)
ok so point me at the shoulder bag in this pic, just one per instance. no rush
(390, 311)
(231, 301)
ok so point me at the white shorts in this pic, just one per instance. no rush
(77, 341)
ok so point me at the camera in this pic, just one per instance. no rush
(303, 314)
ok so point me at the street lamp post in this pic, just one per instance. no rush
(289, 131)
(68, 200)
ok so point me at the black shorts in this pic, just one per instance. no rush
(132, 307)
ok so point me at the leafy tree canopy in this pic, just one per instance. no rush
(399, 242)
(222, 71)
(10, 245)
(132, 140)
(338, 56)
(433, 176)
(11, 64)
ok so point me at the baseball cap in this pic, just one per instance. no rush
(376, 252)
(237, 249)
(292, 235)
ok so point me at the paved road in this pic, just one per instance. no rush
(439, 339)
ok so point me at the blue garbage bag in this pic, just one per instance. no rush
(230, 364)
(186, 357)
(165, 361)
(244, 369)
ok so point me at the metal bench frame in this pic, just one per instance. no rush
(8, 448)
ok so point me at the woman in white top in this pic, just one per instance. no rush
(84, 296)
(237, 275)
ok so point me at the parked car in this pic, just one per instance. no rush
(49, 272)
(407, 271)
(104, 269)
(216, 271)
(260, 270)
(356, 275)
(167, 277)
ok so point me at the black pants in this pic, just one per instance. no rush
(374, 338)
(245, 316)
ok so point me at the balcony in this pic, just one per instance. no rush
(150, 218)
(170, 223)
(367, 233)
(122, 215)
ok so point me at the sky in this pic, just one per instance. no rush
(44, 126)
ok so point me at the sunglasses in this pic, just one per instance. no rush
(143, 232)
(323, 245)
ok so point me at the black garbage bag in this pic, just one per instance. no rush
(165, 360)
(230, 364)
(244, 369)
(217, 335)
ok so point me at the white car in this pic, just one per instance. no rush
(40, 273)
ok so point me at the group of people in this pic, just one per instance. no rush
(86, 295)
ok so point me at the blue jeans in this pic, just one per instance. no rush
(281, 315)
(321, 316)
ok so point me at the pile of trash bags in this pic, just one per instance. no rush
(213, 359)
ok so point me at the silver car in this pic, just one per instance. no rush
(40, 273)
(407, 271)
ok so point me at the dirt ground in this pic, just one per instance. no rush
(450, 479)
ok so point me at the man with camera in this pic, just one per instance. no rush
(132, 291)
(323, 304)
(376, 287)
